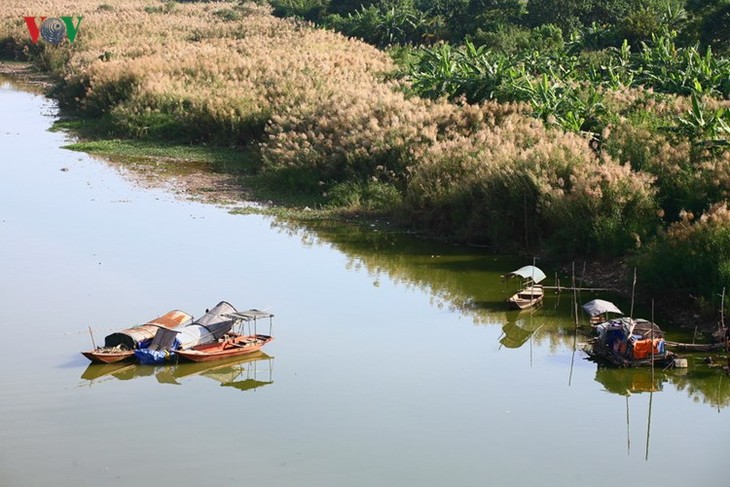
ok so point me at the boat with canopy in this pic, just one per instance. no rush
(244, 340)
(623, 341)
(209, 328)
(532, 292)
(121, 345)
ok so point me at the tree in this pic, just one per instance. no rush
(715, 28)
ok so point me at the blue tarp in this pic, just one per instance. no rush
(153, 357)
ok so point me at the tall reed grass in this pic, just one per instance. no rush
(328, 119)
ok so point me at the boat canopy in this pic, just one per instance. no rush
(209, 327)
(600, 306)
(132, 338)
(251, 315)
(529, 272)
(215, 323)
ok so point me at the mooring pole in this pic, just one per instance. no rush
(91, 334)
(651, 391)
(575, 297)
(722, 308)
(633, 290)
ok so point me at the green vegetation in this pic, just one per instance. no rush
(646, 82)
(560, 127)
(692, 257)
(499, 23)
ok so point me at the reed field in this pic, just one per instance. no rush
(625, 168)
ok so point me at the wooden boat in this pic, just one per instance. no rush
(106, 355)
(120, 345)
(528, 297)
(600, 309)
(210, 327)
(624, 341)
(235, 343)
(532, 292)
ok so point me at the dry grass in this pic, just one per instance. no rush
(317, 107)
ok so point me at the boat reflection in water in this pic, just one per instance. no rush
(244, 373)
(119, 370)
(518, 329)
(628, 381)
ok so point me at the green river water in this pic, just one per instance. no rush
(395, 360)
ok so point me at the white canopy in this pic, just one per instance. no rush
(600, 306)
(529, 272)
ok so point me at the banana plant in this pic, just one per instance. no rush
(709, 129)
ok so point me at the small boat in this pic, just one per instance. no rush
(599, 310)
(624, 341)
(209, 328)
(233, 344)
(121, 345)
(532, 292)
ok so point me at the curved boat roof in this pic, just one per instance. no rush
(132, 337)
(600, 306)
(529, 272)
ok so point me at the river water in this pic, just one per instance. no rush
(394, 363)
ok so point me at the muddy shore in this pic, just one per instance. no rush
(193, 180)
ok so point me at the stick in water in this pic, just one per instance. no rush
(91, 334)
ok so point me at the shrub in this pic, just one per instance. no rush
(693, 256)
(367, 196)
(386, 23)
(228, 14)
(311, 10)
(518, 182)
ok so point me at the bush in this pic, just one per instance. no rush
(228, 14)
(387, 23)
(692, 257)
(367, 196)
(312, 10)
(518, 183)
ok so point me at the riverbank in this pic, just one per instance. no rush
(325, 127)
(27, 77)
(84, 247)
(216, 175)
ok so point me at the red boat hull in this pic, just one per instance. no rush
(234, 346)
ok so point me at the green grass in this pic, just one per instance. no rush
(225, 159)
(230, 160)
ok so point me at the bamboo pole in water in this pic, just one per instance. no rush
(628, 429)
(91, 334)
(723, 330)
(575, 296)
(651, 391)
(633, 291)
(648, 423)
(722, 308)
(588, 289)
(575, 330)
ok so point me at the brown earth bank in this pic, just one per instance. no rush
(199, 182)
(26, 76)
